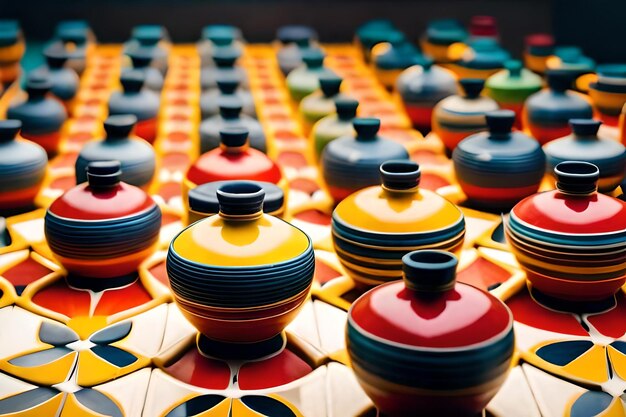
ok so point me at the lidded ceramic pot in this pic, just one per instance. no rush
(304, 80)
(12, 48)
(482, 58)
(390, 58)
(63, 79)
(103, 228)
(240, 276)
(293, 40)
(218, 36)
(421, 88)
(142, 61)
(374, 228)
(225, 66)
(22, 168)
(482, 26)
(42, 116)
(547, 113)
(233, 160)
(428, 345)
(498, 168)
(584, 144)
(440, 35)
(538, 48)
(75, 37)
(203, 201)
(321, 103)
(372, 33)
(571, 241)
(230, 107)
(571, 60)
(512, 86)
(136, 156)
(150, 39)
(350, 163)
(226, 87)
(458, 116)
(134, 99)
(608, 92)
(334, 125)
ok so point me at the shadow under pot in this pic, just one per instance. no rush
(571, 242)
(374, 228)
(240, 276)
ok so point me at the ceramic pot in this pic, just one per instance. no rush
(150, 40)
(293, 40)
(136, 156)
(42, 116)
(134, 99)
(547, 113)
(571, 242)
(22, 168)
(334, 125)
(390, 58)
(103, 228)
(350, 163)
(538, 48)
(225, 59)
(482, 26)
(226, 87)
(304, 80)
(203, 201)
(371, 34)
(421, 88)
(374, 228)
(608, 92)
(440, 35)
(456, 337)
(233, 160)
(497, 169)
(75, 37)
(321, 103)
(240, 276)
(512, 86)
(63, 79)
(572, 61)
(218, 36)
(481, 58)
(456, 117)
(12, 48)
(584, 144)
(142, 61)
(230, 107)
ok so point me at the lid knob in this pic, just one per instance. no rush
(119, 126)
(295, 34)
(576, 178)
(38, 85)
(558, 81)
(225, 57)
(426, 63)
(585, 127)
(148, 35)
(330, 85)
(55, 57)
(500, 122)
(230, 107)
(132, 81)
(227, 85)
(222, 38)
(472, 87)
(140, 58)
(9, 129)
(76, 35)
(514, 67)
(346, 108)
(103, 174)
(234, 136)
(400, 175)
(240, 198)
(429, 271)
(313, 58)
(366, 128)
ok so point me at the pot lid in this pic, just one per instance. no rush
(514, 77)
(102, 197)
(204, 198)
(240, 235)
(575, 208)
(399, 205)
(427, 310)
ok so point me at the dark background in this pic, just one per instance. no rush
(596, 25)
